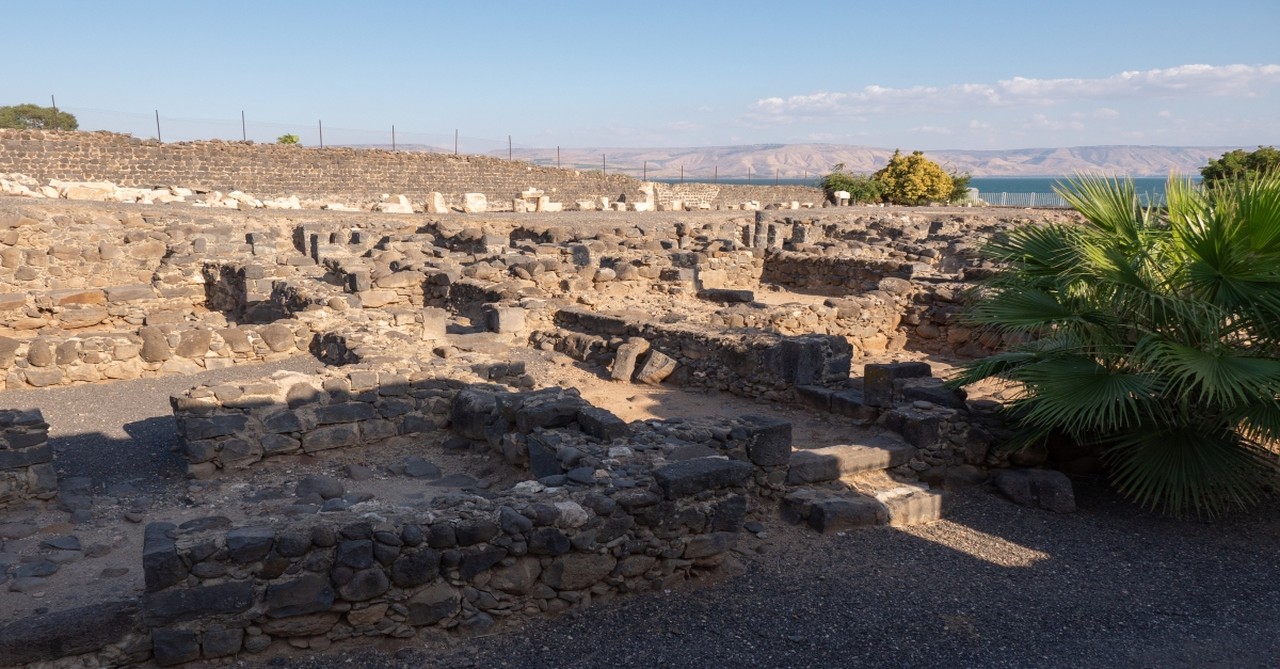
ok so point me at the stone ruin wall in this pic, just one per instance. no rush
(214, 591)
(344, 175)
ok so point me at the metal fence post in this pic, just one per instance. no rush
(158, 139)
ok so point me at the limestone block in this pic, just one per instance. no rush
(624, 361)
(657, 367)
(82, 316)
(99, 191)
(474, 203)
(552, 207)
(290, 202)
(394, 204)
(436, 203)
(434, 323)
(505, 319)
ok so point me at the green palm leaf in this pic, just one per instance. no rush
(1152, 332)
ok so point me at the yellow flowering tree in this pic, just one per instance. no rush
(913, 180)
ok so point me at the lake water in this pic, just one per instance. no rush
(1146, 185)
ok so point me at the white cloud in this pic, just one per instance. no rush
(932, 129)
(1181, 82)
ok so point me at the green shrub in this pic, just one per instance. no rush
(913, 180)
(1152, 334)
(24, 117)
(861, 188)
(288, 139)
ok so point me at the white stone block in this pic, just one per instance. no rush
(474, 203)
(436, 204)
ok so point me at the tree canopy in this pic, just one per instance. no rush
(35, 117)
(1240, 163)
(913, 180)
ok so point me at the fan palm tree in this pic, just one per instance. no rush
(1151, 333)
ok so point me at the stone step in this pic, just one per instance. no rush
(833, 462)
(828, 511)
(912, 505)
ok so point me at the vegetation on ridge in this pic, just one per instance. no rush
(35, 117)
(1240, 163)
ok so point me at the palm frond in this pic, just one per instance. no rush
(1078, 396)
(1197, 468)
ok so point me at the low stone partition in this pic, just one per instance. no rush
(870, 322)
(834, 275)
(157, 350)
(238, 424)
(26, 459)
(94, 308)
(609, 509)
(752, 364)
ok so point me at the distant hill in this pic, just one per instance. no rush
(795, 161)
(792, 161)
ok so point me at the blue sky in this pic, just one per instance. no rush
(924, 75)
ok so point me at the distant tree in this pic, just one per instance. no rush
(1238, 163)
(288, 139)
(861, 188)
(960, 186)
(913, 180)
(24, 117)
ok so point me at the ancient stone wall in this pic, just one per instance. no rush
(156, 350)
(753, 364)
(340, 174)
(610, 509)
(26, 459)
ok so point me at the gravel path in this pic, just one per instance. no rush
(123, 432)
(995, 585)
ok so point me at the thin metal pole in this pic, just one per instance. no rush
(716, 178)
(393, 137)
(244, 134)
(681, 172)
(55, 102)
(645, 173)
(748, 175)
(455, 141)
(508, 147)
(320, 124)
(557, 157)
(604, 167)
(775, 176)
(158, 126)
